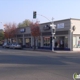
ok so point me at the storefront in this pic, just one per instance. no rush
(65, 38)
(61, 42)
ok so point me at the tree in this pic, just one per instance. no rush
(35, 30)
(1, 35)
(10, 31)
(25, 23)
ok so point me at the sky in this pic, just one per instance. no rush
(16, 11)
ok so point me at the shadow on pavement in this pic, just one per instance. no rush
(40, 60)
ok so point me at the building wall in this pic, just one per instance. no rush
(27, 30)
(66, 25)
(76, 23)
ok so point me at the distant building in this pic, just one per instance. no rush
(67, 33)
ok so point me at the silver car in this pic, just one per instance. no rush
(5, 45)
(15, 46)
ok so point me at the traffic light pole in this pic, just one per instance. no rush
(52, 30)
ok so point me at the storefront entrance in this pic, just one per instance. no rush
(61, 42)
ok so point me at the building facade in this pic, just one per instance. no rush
(67, 32)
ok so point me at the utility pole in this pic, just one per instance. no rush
(53, 33)
(51, 25)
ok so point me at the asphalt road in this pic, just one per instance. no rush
(36, 65)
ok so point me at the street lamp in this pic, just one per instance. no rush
(53, 27)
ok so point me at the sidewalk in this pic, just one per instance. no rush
(56, 51)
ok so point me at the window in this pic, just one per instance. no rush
(66, 42)
(20, 41)
(46, 41)
(76, 42)
(28, 42)
(39, 42)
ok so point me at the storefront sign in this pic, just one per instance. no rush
(22, 30)
(46, 27)
(61, 25)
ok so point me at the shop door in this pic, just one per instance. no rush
(62, 39)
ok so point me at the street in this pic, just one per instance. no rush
(36, 65)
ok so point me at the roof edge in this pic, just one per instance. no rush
(61, 20)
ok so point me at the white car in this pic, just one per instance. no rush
(15, 46)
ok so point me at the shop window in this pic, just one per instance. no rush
(76, 42)
(28, 42)
(39, 42)
(66, 42)
(61, 42)
(20, 41)
(46, 41)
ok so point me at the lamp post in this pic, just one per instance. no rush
(53, 34)
(53, 27)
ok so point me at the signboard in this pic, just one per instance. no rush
(60, 25)
(22, 30)
(46, 27)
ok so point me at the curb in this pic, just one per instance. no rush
(42, 50)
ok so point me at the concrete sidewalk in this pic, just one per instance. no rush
(56, 51)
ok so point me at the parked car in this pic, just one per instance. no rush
(6, 45)
(15, 46)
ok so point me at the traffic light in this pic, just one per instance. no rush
(34, 14)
